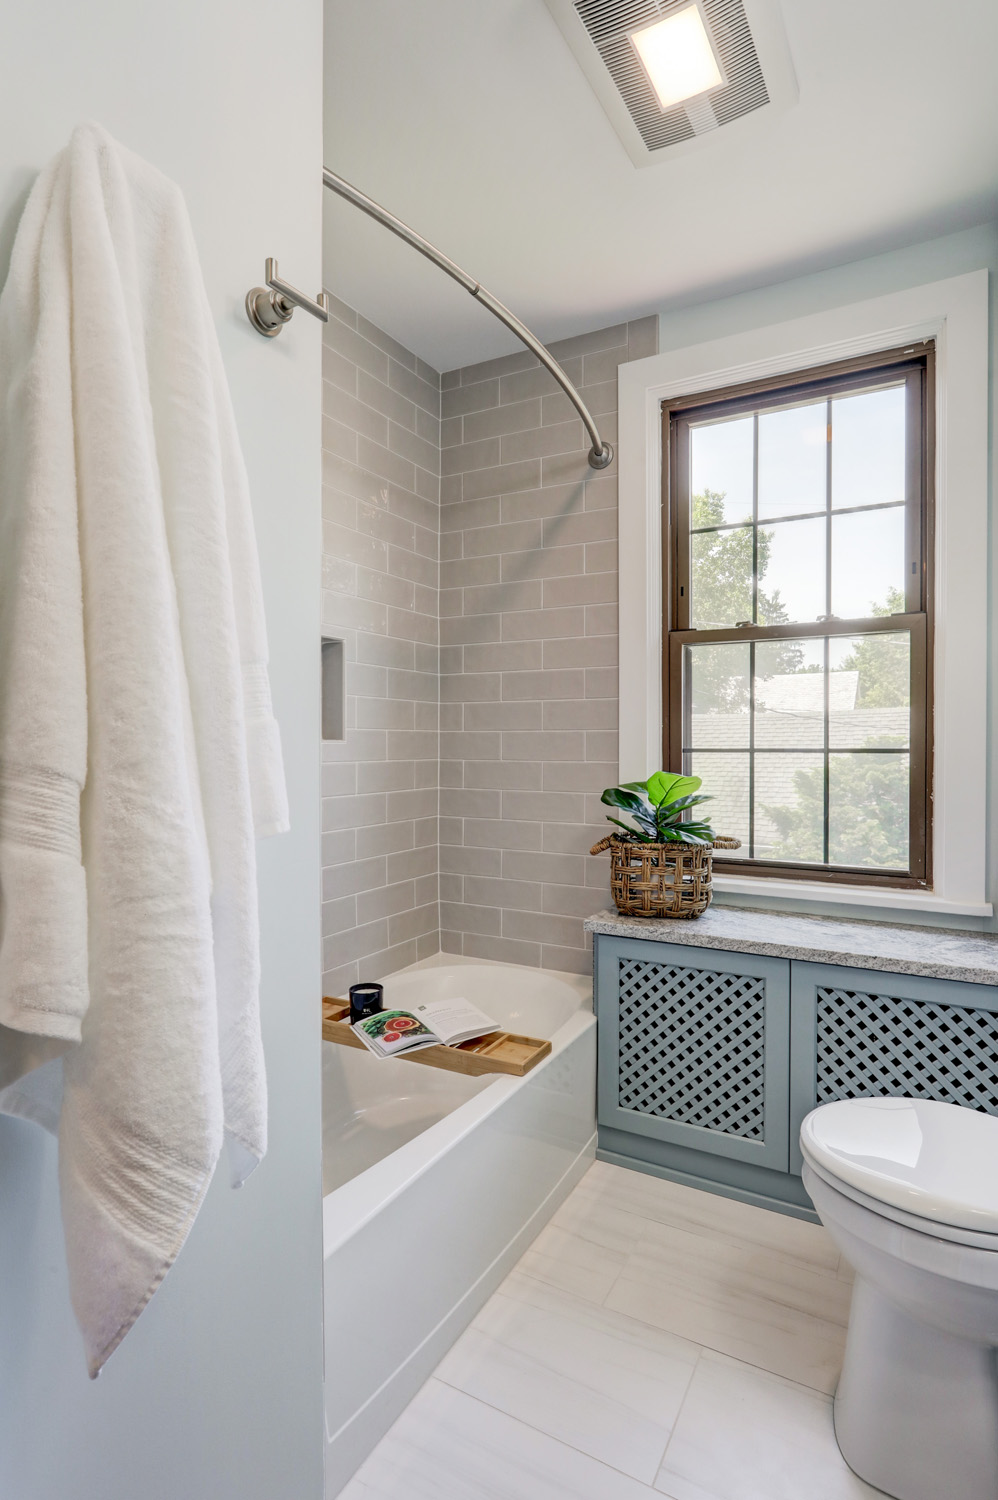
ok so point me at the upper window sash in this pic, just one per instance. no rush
(679, 416)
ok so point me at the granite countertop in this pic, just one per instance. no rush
(936, 953)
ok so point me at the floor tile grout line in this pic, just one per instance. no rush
(733, 1242)
(622, 1268)
(739, 1359)
(679, 1413)
(502, 1343)
(524, 1422)
(735, 1359)
(584, 1302)
(811, 1322)
(762, 1297)
(711, 1349)
(540, 1431)
(713, 1232)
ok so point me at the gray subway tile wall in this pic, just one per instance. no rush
(470, 567)
(528, 658)
(381, 543)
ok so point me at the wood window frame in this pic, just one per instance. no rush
(916, 363)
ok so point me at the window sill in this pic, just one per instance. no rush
(850, 895)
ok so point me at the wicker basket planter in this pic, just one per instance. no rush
(661, 880)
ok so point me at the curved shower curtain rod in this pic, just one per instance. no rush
(601, 453)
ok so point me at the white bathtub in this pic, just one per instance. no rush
(435, 1184)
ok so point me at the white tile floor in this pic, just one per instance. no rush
(653, 1341)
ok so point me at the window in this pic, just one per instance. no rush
(798, 614)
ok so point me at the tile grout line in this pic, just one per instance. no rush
(528, 1426)
(679, 1413)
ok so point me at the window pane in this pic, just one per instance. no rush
(721, 578)
(789, 806)
(868, 810)
(725, 777)
(792, 571)
(721, 472)
(870, 684)
(790, 695)
(868, 448)
(718, 684)
(868, 564)
(800, 512)
(792, 456)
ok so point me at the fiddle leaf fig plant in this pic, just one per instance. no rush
(659, 809)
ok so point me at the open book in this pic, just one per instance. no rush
(450, 1022)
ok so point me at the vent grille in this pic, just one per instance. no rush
(608, 23)
(692, 1047)
(870, 1045)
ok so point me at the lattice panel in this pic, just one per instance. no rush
(693, 1047)
(870, 1045)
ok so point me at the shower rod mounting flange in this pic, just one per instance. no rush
(269, 308)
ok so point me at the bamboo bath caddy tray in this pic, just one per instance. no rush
(499, 1052)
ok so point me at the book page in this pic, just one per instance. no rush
(389, 1032)
(455, 1020)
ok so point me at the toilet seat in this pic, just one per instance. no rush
(949, 1233)
(928, 1165)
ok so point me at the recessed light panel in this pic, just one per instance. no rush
(670, 71)
(678, 57)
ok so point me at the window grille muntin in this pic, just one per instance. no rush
(880, 863)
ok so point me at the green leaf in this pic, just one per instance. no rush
(675, 809)
(697, 833)
(617, 796)
(658, 808)
(635, 833)
(635, 805)
(686, 833)
(666, 785)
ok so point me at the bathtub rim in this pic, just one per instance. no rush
(361, 1198)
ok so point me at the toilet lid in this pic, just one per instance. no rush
(937, 1161)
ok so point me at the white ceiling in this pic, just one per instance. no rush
(472, 121)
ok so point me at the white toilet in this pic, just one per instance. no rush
(908, 1189)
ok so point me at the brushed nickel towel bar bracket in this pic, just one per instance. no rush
(601, 453)
(269, 308)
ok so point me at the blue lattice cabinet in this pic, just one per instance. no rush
(859, 1033)
(694, 1066)
(709, 1060)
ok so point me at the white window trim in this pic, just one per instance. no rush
(955, 313)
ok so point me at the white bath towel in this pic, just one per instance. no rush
(138, 751)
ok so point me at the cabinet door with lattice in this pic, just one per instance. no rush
(694, 1047)
(863, 1034)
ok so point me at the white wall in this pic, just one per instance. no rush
(216, 1394)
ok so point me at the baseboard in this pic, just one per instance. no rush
(708, 1185)
(350, 1445)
